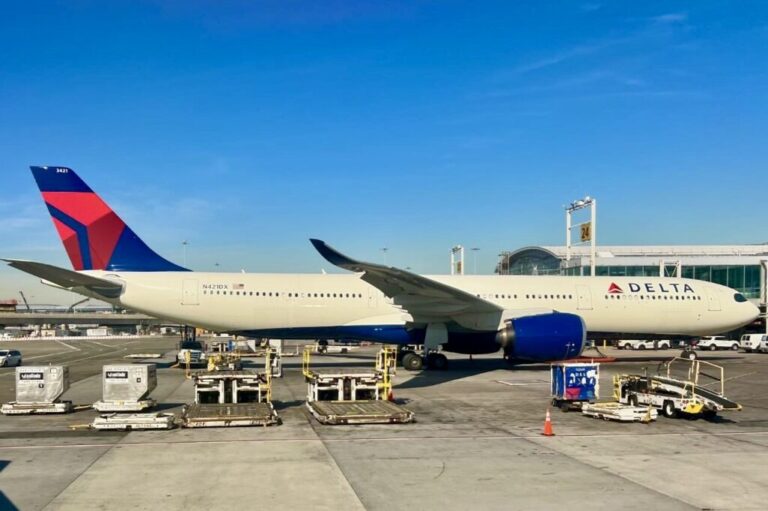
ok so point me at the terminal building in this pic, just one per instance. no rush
(741, 267)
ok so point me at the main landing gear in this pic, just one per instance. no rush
(413, 361)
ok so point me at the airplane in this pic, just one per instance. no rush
(528, 318)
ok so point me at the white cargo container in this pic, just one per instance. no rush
(98, 332)
(38, 390)
(126, 387)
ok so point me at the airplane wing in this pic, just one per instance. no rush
(420, 296)
(68, 279)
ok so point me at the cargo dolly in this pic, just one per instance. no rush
(38, 390)
(133, 421)
(677, 394)
(354, 397)
(232, 398)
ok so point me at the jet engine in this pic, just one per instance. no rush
(543, 337)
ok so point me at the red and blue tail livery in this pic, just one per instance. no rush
(94, 237)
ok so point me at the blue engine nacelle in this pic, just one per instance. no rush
(543, 337)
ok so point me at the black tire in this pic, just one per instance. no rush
(437, 361)
(712, 348)
(413, 362)
(668, 409)
(735, 347)
(641, 346)
(564, 406)
(689, 354)
(633, 400)
(664, 346)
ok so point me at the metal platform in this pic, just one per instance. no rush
(233, 414)
(115, 421)
(15, 408)
(619, 412)
(359, 412)
(124, 406)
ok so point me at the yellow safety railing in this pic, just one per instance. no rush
(386, 361)
(268, 373)
(306, 356)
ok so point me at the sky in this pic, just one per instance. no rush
(247, 127)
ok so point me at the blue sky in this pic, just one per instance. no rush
(249, 127)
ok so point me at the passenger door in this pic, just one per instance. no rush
(713, 301)
(189, 292)
(584, 297)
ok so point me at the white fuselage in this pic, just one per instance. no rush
(239, 302)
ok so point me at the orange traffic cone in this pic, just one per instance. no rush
(548, 425)
(390, 395)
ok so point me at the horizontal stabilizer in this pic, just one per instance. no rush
(68, 279)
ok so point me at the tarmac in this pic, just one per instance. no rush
(476, 444)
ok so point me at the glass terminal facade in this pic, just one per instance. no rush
(745, 278)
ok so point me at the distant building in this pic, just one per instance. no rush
(8, 305)
(741, 267)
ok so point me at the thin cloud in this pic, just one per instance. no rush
(670, 18)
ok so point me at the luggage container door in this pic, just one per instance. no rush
(189, 292)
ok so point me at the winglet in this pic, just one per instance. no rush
(332, 255)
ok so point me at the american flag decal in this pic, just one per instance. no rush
(238, 286)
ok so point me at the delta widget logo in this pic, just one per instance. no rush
(614, 289)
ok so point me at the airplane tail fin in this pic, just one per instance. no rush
(94, 237)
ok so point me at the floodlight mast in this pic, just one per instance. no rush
(586, 202)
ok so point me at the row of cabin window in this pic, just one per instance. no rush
(290, 295)
(652, 297)
(548, 297)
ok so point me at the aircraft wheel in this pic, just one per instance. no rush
(437, 361)
(413, 362)
(690, 355)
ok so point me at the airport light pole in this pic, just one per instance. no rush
(588, 230)
(474, 259)
(184, 249)
(384, 250)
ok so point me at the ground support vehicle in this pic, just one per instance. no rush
(232, 398)
(619, 412)
(128, 422)
(574, 383)
(39, 390)
(359, 397)
(643, 344)
(754, 342)
(10, 358)
(191, 353)
(677, 394)
(717, 342)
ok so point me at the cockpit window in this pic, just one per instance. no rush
(739, 297)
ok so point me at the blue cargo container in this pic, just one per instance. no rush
(574, 383)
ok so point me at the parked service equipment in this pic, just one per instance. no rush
(753, 342)
(358, 397)
(681, 388)
(619, 412)
(232, 398)
(128, 422)
(126, 388)
(38, 390)
(574, 383)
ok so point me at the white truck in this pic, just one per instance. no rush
(754, 342)
(717, 342)
(642, 344)
(191, 350)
